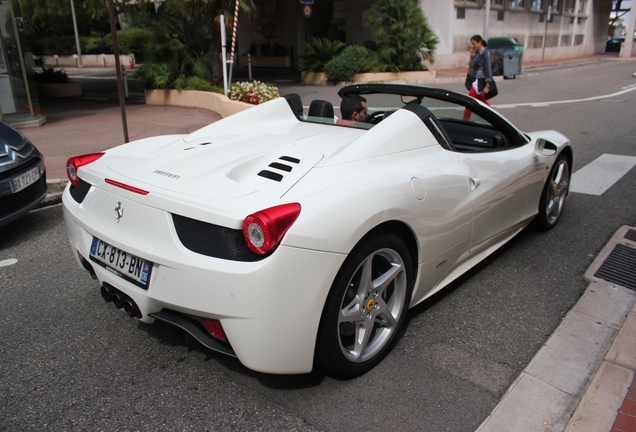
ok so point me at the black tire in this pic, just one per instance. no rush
(554, 194)
(355, 308)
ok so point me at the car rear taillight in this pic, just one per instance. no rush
(264, 230)
(74, 163)
(215, 328)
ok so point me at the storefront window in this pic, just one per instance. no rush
(16, 87)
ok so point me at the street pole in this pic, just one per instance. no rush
(487, 20)
(545, 32)
(223, 54)
(77, 42)
(120, 90)
(233, 45)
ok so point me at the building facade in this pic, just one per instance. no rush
(548, 29)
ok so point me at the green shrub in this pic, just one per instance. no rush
(403, 35)
(93, 45)
(51, 76)
(348, 63)
(319, 52)
(154, 75)
(195, 83)
(132, 40)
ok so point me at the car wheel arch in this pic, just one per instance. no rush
(567, 152)
(396, 227)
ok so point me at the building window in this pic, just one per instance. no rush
(466, 3)
(582, 5)
(497, 4)
(568, 6)
(500, 15)
(516, 4)
(556, 6)
(536, 5)
(461, 13)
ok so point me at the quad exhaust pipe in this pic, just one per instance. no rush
(120, 300)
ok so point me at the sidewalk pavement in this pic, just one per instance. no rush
(578, 381)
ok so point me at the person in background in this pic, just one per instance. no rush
(354, 108)
(480, 71)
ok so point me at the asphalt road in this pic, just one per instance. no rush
(71, 362)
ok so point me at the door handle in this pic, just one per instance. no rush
(474, 183)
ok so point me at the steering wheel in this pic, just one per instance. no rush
(376, 117)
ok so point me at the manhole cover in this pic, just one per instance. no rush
(620, 267)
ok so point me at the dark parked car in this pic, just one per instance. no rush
(22, 175)
(613, 45)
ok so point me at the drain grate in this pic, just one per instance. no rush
(620, 267)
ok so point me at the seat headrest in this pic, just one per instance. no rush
(320, 108)
(295, 103)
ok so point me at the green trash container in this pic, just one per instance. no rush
(506, 56)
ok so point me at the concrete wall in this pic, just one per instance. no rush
(91, 60)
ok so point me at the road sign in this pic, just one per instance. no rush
(307, 10)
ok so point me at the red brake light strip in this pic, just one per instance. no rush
(127, 187)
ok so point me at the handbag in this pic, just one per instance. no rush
(493, 91)
(468, 84)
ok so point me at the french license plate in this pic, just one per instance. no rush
(24, 180)
(123, 264)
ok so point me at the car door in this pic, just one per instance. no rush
(505, 187)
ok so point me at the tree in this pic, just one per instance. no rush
(186, 48)
(212, 10)
(180, 50)
(403, 35)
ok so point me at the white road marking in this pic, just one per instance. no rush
(544, 104)
(600, 174)
(8, 262)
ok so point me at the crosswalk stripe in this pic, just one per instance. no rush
(600, 174)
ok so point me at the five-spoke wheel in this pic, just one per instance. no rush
(554, 194)
(366, 307)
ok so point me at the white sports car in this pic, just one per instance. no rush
(296, 241)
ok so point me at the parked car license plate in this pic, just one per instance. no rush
(24, 180)
(123, 264)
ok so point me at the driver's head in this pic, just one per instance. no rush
(354, 107)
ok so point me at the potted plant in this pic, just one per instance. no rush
(55, 83)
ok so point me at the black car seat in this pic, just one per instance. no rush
(295, 103)
(320, 108)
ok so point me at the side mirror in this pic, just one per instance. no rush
(545, 148)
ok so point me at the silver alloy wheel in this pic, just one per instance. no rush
(372, 305)
(557, 191)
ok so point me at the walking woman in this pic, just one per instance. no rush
(480, 71)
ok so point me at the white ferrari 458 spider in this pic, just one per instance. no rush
(293, 241)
